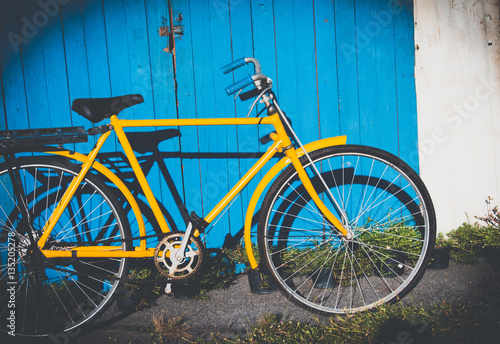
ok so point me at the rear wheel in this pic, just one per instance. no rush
(389, 211)
(54, 295)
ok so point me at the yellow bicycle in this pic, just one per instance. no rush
(341, 229)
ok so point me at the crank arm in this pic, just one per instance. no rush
(181, 253)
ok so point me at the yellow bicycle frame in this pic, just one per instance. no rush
(281, 143)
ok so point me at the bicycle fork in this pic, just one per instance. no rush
(291, 153)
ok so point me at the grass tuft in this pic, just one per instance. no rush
(174, 328)
(474, 321)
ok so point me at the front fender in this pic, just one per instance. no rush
(270, 175)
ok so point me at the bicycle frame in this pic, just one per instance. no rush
(281, 143)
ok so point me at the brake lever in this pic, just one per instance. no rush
(237, 94)
(249, 94)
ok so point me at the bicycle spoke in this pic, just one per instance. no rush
(75, 291)
(385, 212)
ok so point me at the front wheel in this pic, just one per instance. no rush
(389, 211)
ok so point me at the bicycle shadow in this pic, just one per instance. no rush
(146, 145)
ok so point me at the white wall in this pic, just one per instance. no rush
(457, 71)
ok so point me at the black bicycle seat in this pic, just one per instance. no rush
(97, 109)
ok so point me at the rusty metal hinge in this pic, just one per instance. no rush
(178, 31)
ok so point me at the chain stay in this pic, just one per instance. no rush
(93, 243)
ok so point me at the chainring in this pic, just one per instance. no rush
(179, 270)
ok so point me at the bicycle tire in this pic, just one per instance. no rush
(58, 295)
(389, 210)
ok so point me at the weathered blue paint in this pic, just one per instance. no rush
(340, 67)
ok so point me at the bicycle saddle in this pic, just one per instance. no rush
(97, 109)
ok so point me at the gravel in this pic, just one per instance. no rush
(228, 313)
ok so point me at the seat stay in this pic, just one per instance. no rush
(70, 191)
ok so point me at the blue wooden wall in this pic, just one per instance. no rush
(340, 67)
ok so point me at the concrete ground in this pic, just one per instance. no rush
(228, 313)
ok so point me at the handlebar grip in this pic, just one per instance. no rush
(239, 85)
(233, 65)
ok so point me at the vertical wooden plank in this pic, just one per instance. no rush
(384, 16)
(139, 58)
(55, 68)
(164, 101)
(376, 77)
(347, 69)
(404, 46)
(12, 44)
(130, 68)
(367, 72)
(327, 78)
(76, 63)
(264, 43)
(75, 52)
(161, 60)
(211, 101)
(297, 71)
(96, 48)
(96, 56)
(187, 106)
(117, 41)
(3, 118)
(34, 73)
(380, 26)
(119, 61)
(127, 55)
(264, 49)
(245, 138)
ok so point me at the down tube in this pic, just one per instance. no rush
(243, 182)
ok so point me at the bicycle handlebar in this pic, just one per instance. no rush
(234, 65)
(240, 63)
(239, 85)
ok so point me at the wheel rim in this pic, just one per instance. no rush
(319, 269)
(58, 294)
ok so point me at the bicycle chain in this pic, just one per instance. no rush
(108, 277)
(123, 279)
(93, 243)
(90, 243)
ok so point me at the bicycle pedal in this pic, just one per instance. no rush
(168, 289)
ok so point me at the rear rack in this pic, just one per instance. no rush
(38, 137)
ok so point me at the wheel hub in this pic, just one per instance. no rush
(35, 262)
